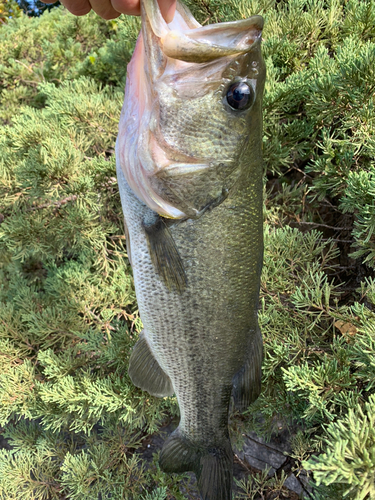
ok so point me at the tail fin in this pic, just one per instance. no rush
(212, 465)
(216, 474)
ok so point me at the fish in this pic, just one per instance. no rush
(189, 169)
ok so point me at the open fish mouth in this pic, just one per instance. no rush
(174, 64)
(186, 40)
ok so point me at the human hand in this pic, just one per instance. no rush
(109, 9)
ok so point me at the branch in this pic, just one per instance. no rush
(57, 204)
(106, 324)
(324, 225)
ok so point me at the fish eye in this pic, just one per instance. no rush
(240, 96)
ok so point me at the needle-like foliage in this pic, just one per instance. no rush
(77, 426)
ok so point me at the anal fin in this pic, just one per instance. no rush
(146, 373)
(164, 254)
(247, 381)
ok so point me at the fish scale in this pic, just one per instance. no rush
(179, 126)
(194, 230)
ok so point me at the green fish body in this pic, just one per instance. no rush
(189, 166)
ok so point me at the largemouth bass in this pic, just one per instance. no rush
(189, 165)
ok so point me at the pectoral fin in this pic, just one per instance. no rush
(127, 243)
(164, 254)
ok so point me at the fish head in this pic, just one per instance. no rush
(191, 122)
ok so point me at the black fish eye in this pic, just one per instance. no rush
(240, 95)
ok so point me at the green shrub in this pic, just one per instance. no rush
(68, 315)
(8, 9)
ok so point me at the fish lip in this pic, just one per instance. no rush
(255, 21)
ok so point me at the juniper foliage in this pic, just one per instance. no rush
(8, 9)
(68, 315)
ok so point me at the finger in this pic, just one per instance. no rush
(81, 7)
(76, 7)
(167, 8)
(130, 7)
(103, 8)
(111, 10)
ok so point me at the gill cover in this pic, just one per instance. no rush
(152, 166)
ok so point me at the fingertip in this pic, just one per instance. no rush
(110, 15)
(81, 12)
(167, 9)
(77, 8)
(129, 7)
